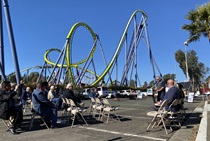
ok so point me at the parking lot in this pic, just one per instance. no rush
(132, 127)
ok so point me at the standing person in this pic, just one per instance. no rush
(160, 89)
(68, 93)
(43, 106)
(21, 88)
(7, 106)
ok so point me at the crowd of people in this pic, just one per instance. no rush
(46, 101)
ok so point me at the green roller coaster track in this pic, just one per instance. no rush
(69, 65)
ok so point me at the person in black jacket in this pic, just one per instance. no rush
(8, 107)
(68, 93)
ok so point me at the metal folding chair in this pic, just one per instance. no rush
(34, 114)
(107, 110)
(76, 111)
(159, 116)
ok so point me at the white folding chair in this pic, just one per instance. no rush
(98, 107)
(158, 116)
(107, 109)
(76, 111)
(174, 116)
(92, 106)
(34, 114)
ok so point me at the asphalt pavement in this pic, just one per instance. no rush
(131, 127)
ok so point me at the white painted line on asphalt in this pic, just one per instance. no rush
(125, 134)
(123, 108)
(134, 116)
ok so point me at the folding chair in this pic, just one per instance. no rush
(173, 116)
(92, 106)
(27, 106)
(34, 114)
(76, 111)
(107, 109)
(7, 123)
(67, 106)
(182, 110)
(158, 116)
(99, 107)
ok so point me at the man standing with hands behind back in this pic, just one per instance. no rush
(160, 89)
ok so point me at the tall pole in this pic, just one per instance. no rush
(2, 46)
(185, 46)
(11, 37)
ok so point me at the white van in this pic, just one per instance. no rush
(150, 91)
(102, 91)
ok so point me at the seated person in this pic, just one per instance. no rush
(172, 94)
(8, 107)
(53, 97)
(26, 96)
(92, 93)
(43, 106)
(68, 93)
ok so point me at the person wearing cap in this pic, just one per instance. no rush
(69, 93)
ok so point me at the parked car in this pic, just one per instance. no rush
(85, 93)
(102, 91)
(111, 94)
(125, 93)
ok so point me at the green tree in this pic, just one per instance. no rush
(33, 76)
(12, 77)
(199, 22)
(145, 84)
(196, 69)
(132, 83)
(169, 76)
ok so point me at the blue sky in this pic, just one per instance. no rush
(39, 25)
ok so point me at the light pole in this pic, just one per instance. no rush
(185, 46)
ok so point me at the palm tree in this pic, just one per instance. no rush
(200, 23)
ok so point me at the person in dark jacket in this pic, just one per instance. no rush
(25, 97)
(172, 94)
(68, 93)
(43, 106)
(8, 108)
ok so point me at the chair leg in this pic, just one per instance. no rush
(83, 119)
(108, 118)
(164, 125)
(45, 123)
(32, 121)
(73, 121)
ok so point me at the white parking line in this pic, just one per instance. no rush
(125, 134)
(134, 116)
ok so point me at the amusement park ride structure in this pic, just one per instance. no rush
(76, 72)
(12, 42)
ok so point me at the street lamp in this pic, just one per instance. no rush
(185, 46)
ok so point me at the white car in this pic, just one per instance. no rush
(111, 94)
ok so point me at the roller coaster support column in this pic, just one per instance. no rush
(2, 46)
(11, 37)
